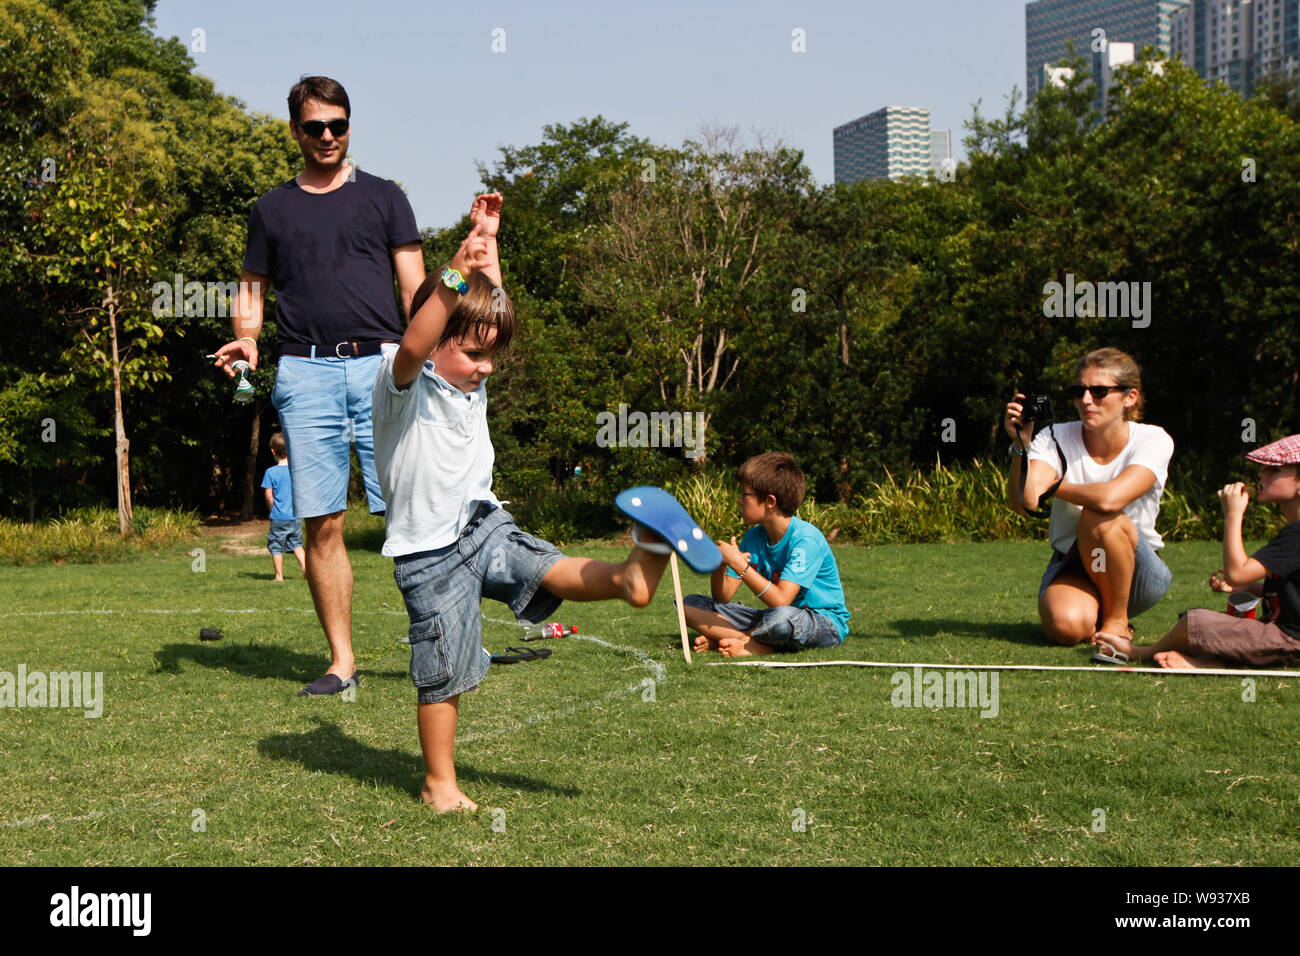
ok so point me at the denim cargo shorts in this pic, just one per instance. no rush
(443, 590)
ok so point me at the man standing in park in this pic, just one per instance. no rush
(329, 241)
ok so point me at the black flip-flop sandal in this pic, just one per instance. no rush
(520, 654)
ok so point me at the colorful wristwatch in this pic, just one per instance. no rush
(454, 280)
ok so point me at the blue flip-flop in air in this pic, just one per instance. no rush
(663, 514)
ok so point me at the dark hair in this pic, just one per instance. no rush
(317, 88)
(1125, 371)
(485, 306)
(277, 445)
(774, 473)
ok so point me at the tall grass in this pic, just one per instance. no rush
(955, 503)
(89, 535)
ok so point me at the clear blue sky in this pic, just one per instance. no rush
(430, 98)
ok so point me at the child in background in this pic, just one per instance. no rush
(286, 531)
(1204, 638)
(787, 564)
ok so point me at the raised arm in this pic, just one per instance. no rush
(486, 214)
(1239, 570)
(425, 330)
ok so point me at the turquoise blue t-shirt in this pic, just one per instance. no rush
(277, 479)
(804, 556)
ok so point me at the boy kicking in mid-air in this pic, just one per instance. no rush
(785, 562)
(1204, 638)
(451, 541)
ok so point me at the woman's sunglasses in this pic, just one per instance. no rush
(316, 128)
(1098, 392)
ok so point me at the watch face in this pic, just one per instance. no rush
(452, 279)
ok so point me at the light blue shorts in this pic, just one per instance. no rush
(443, 591)
(784, 628)
(1151, 577)
(324, 406)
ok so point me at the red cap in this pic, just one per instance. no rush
(1284, 451)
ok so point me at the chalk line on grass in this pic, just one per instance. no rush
(1219, 671)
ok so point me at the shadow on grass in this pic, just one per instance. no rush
(1019, 633)
(268, 576)
(262, 661)
(328, 749)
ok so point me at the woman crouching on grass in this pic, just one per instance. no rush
(1104, 567)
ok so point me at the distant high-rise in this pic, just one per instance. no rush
(1051, 24)
(1239, 41)
(888, 144)
(941, 153)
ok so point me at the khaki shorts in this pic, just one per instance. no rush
(1240, 640)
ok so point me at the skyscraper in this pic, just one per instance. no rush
(888, 144)
(1239, 41)
(1051, 24)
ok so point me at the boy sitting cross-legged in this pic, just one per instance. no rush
(784, 561)
(451, 542)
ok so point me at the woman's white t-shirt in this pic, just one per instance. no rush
(1148, 445)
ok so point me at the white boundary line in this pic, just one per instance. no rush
(1096, 668)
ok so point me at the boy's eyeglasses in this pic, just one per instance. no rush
(1098, 392)
(316, 128)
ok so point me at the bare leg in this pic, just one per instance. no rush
(711, 626)
(585, 579)
(278, 561)
(1107, 543)
(1069, 609)
(329, 575)
(1175, 641)
(301, 555)
(437, 724)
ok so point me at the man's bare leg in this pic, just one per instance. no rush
(329, 575)
(437, 724)
(278, 561)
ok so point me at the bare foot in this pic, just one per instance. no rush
(446, 798)
(641, 573)
(1175, 660)
(277, 579)
(743, 647)
(703, 644)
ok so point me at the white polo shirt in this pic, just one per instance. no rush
(1148, 445)
(433, 456)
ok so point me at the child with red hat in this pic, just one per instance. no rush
(1204, 638)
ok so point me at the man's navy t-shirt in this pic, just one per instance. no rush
(329, 258)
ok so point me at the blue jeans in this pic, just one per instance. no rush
(324, 406)
(784, 628)
(443, 590)
(284, 536)
(1151, 577)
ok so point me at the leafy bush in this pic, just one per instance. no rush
(89, 535)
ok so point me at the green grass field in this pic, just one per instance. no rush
(614, 751)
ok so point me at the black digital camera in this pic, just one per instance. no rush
(1036, 408)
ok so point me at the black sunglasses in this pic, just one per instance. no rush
(316, 128)
(1098, 392)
